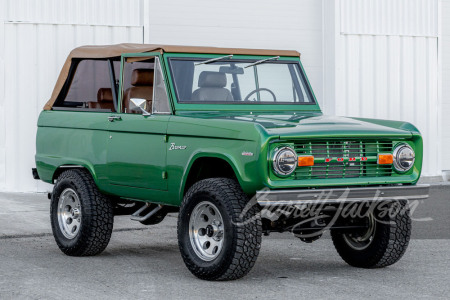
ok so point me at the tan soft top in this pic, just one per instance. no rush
(119, 49)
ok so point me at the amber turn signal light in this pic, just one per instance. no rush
(385, 159)
(306, 161)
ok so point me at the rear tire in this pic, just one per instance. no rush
(219, 237)
(382, 245)
(81, 217)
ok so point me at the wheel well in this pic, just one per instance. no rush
(61, 169)
(208, 167)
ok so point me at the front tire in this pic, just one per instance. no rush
(81, 217)
(382, 244)
(219, 237)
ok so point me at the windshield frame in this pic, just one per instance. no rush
(253, 106)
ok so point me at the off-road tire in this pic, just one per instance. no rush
(389, 243)
(96, 215)
(243, 230)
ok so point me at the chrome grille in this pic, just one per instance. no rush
(345, 150)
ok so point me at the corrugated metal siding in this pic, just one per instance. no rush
(41, 33)
(445, 50)
(389, 66)
(287, 24)
(390, 17)
(98, 12)
(2, 103)
(32, 52)
(386, 57)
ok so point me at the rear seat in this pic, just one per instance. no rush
(104, 100)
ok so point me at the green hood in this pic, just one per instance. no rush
(288, 125)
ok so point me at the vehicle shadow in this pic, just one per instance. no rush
(279, 259)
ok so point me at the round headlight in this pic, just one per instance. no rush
(403, 158)
(284, 161)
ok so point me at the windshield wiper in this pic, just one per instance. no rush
(213, 59)
(261, 61)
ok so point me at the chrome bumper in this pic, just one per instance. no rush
(342, 195)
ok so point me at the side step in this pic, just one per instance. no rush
(137, 215)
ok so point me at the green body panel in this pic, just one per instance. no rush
(213, 138)
(149, 157)
(136, 151)
(61, 142)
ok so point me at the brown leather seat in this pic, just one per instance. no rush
(104, 100)
(142, 87)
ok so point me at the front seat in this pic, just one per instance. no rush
(142, 87)
(212, 87)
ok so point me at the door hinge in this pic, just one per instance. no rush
(166, 138)
(164, 175)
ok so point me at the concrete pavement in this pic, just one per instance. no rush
(144, 262)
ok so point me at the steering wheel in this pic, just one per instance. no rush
(261, 89)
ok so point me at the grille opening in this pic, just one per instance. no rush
(343, 149)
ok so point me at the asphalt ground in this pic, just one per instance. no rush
(143, 262)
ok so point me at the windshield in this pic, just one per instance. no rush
(238, 81)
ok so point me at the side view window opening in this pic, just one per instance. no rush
(143, 83)
(90, 87)
(138, 78)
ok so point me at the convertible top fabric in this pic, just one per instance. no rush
(110, 51)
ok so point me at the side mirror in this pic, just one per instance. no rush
(139, 104)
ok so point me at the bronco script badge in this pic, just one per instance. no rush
(175, 147)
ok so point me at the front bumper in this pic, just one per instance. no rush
(342, 195)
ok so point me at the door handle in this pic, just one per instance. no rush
(113, 118)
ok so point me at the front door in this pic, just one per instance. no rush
(136, 154)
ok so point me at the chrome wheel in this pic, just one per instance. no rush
(69, 213)
(206, 231)
(362, 241)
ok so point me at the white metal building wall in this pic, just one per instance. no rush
(387, 66)
(445, 62)
(380, 60)
(35, 39)
(36, 36)
(284, 24)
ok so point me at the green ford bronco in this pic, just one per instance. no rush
(234, 141)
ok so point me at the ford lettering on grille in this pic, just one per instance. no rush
(343, 159)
